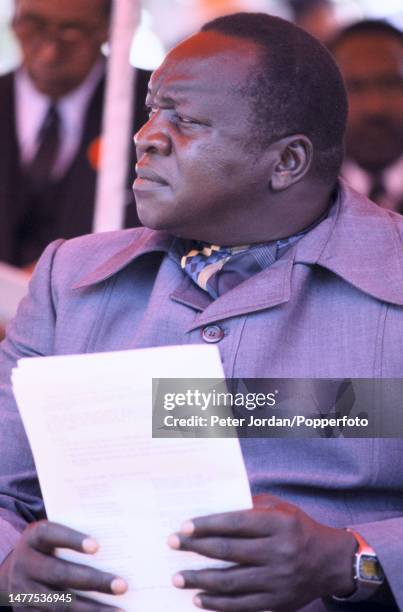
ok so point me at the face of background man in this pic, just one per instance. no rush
(60, 41)
(199, 173)
(372, 66)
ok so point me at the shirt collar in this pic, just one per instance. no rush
(362, 180)
(71, 108)
(393, 178)
(28, 124)
(357, 176)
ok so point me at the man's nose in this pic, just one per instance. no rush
(375, 101)
(48, 52)
(153, 137)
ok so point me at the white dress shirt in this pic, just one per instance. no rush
(32, 107)
(392, 178)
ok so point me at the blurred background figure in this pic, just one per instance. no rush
(370, 56)
(50, 125)
(318, 17)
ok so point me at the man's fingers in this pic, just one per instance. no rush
(238, 550)
(245, 523)
(239, 580)
(45, 536)
(259, 602)
(64, 575)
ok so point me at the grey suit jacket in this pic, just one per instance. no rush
(331, 308)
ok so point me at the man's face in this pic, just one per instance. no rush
(199, 175)
(372, 66)
(60, 41)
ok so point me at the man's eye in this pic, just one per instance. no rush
(185, 120)
(151, 111)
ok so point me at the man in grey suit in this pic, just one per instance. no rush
(254, 245)
(50, 123)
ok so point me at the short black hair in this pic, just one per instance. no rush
(366, 26)
(297, 87)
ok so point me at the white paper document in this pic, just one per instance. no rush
(88, 419)
(13, 287)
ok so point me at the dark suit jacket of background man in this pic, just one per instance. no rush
(66, 209)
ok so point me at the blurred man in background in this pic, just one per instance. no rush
(370, 56)
(50, 121)
(315, 16)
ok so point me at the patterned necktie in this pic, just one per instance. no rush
(218, 269)
(40, 169)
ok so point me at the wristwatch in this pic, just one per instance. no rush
(368, 573)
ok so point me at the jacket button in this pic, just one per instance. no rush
(212, 333)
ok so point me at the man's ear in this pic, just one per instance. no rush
(295, 155)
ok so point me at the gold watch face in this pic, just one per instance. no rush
(369, 569)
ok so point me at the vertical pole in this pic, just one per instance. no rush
(117, 119)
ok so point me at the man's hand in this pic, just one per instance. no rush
(32, 568)
(283, 559)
